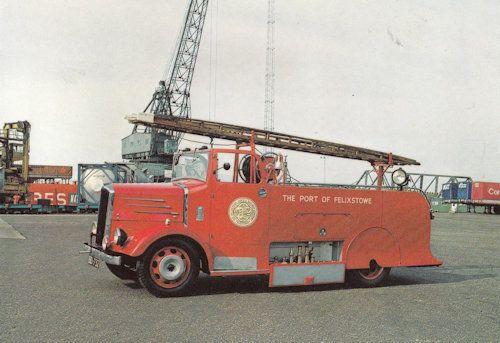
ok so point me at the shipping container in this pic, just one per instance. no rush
(37, 172)
(437, 205)
(449, 191)
(92, 177)
(486, 193)
(57, 194)
(464, 192)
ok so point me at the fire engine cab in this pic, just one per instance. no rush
(233, 212)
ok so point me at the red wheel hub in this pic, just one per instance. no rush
(170, 267)
(372, 273)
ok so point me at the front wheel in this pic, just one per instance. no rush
(372, 277)
(169, 268)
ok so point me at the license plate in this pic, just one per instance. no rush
(94, 262)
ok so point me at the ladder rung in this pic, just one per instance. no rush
(266, 138)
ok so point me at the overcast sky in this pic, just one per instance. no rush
(418, 78)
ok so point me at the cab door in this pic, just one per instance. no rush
(239, 220)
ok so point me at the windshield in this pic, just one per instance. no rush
(191, 166)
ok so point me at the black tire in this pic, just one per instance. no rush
(375, 276)
(122, 272)
(151, 279)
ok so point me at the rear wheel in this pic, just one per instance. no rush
(372, 277)
(169, 268)
(122, 272)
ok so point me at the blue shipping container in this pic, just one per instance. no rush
(464, 191)
(449, 191)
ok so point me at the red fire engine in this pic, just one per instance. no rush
(233, 212)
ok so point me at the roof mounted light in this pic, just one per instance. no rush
(400, 177)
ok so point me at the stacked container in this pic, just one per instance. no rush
(449, 192)
(464, 192)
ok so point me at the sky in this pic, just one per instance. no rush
(417, 78)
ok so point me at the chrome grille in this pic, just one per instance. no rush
(101, 217)
(104, 215)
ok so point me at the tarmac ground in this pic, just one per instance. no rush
(49, 293)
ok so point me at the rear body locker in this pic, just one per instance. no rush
(364, 228)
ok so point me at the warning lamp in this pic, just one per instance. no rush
(400, 177)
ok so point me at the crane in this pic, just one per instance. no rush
(14, 159)
(154, 147)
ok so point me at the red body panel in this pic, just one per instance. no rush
(58, 194)
(391, 227)
(486, 192)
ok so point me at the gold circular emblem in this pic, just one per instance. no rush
(243, 212)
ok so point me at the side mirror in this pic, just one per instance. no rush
(226, 166)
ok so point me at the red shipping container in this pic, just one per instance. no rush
(58, 194)
(486, 192)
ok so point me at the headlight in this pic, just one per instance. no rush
(119, 237)
(104, 243)
(93, 230)
(399, 177)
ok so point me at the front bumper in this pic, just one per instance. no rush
(101, 255)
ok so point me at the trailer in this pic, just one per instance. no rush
(486, 194)
(473, 194)
(39, 208)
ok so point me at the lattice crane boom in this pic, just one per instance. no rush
(172, 96)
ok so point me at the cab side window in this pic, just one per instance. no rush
(239, 168)
(224, 175)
